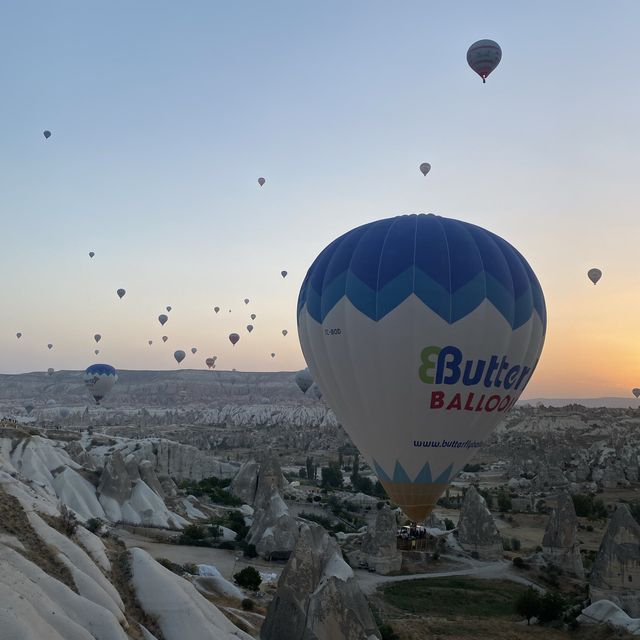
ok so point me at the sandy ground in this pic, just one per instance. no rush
(223, 559)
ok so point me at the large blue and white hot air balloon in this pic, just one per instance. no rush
(421, 332)
(99, 379)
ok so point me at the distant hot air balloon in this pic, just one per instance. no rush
(121, 293)
(209, 362)
(50, 371)
(249, 328)
(150, 342)
(273, 355)
(194, 350)
(28, 408)
(91, 254)
(304, 380)
(253, 316)
(162, 318)
(179, 355)
(594, 275)
(284, 274)
(233, 338)
(425, 167)
(636, 392)
(18, 335)
(96, 351)
(483, 57)
(47, 134)
(229, 310)
(284, 332)
(97, 337)
(246, 300)
(99, 379)
(216, 309)
(165, 338)
(49, 346)
(168, 309)
(261, 181)
(421, 332)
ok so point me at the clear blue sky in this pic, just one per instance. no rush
(164, 114)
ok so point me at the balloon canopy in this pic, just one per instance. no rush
(594, 275)
(99, 380)
(636, 392)
(162, 318)
(121, 293)
(421, 332)
(253, 316)
(91, 254)
(18, 335)
(216, 309)
(165, 338)
(425, 167)
(261, 181)
(249, 328)
(194, 350)
(233, 338)
(179, 355)
(283, 274)
(97, 337)
(46, 133)
(483, 57)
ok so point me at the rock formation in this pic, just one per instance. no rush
(615, 574)
(560, 544)
(379, 547)
(274, 531)
(255, 480)
(245, 483)
(318, 596)
(477, 532)
(606, 612)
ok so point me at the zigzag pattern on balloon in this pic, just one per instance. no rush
(451, 266)
(423, 476)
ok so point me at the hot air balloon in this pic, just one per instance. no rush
(483, 57)
(162, 318)
(636, 392)
(284, 332)
(165, 338)
(594, 275)
(28, 408)
(233, 338)
(96, 351)
(283, 274)
(304, 380)
(246, 300)
(47, 134)
(168, 309)
(97, 337)
(99, 379)
(179, 355)
(50, 371)
(261, 181)
(421, 332)
(150, 342)
(194, 350)
(249, 328)
(18, 335)
(273, 355)
(425, 167)
(91, 254)
(209, 362)
(49, 346)
(121, 293)
(216, 309)
(253, 316)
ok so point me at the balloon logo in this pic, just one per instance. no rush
(483, 57)
(121, 293)
(421, 332)
(179, 355)
(425, 167)
(261, 181)
(99, 380)
(47, 134)
(594, 275)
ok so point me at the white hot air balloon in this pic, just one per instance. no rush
(421, 332)
(162, 318)
(97, 337)
(425, 167)
(194, 350)
(179, 355)
(483, 57)
(594, 275)
(99, 380)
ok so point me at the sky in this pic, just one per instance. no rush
(164, 115)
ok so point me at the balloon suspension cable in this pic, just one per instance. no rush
(484, 79)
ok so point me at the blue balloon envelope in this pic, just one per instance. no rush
(99, 380)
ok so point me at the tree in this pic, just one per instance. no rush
(302, 473)
(311, 469)
(528, 604)
(332, 476)
(504, 502)
(583, 504)
(551, 607)
(248, 578)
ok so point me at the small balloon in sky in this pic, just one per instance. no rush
(261, 181)
(249, 328)
(96, 351)
(49, 346)
(50, 371)
(121, 293)
(246, 300)
(425, 167)
(165, 338)
(194, 350)
(233, 338)
(162, 318)
(169, 309)
(97, 337)
(284, 332)
(150, 342)
(483, 57)
(210, 362)
(594, 275)
(91, 254)
(253, 316)
(216, 309)
(18, 335)
(273, 355)
(47, 134)
(636, 392)
(179, 355)
(284, 274)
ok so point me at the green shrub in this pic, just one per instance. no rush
(248, 604)
(387, 632)
(551, 607)
(248, 578)
(94, 525)
(528, 604)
